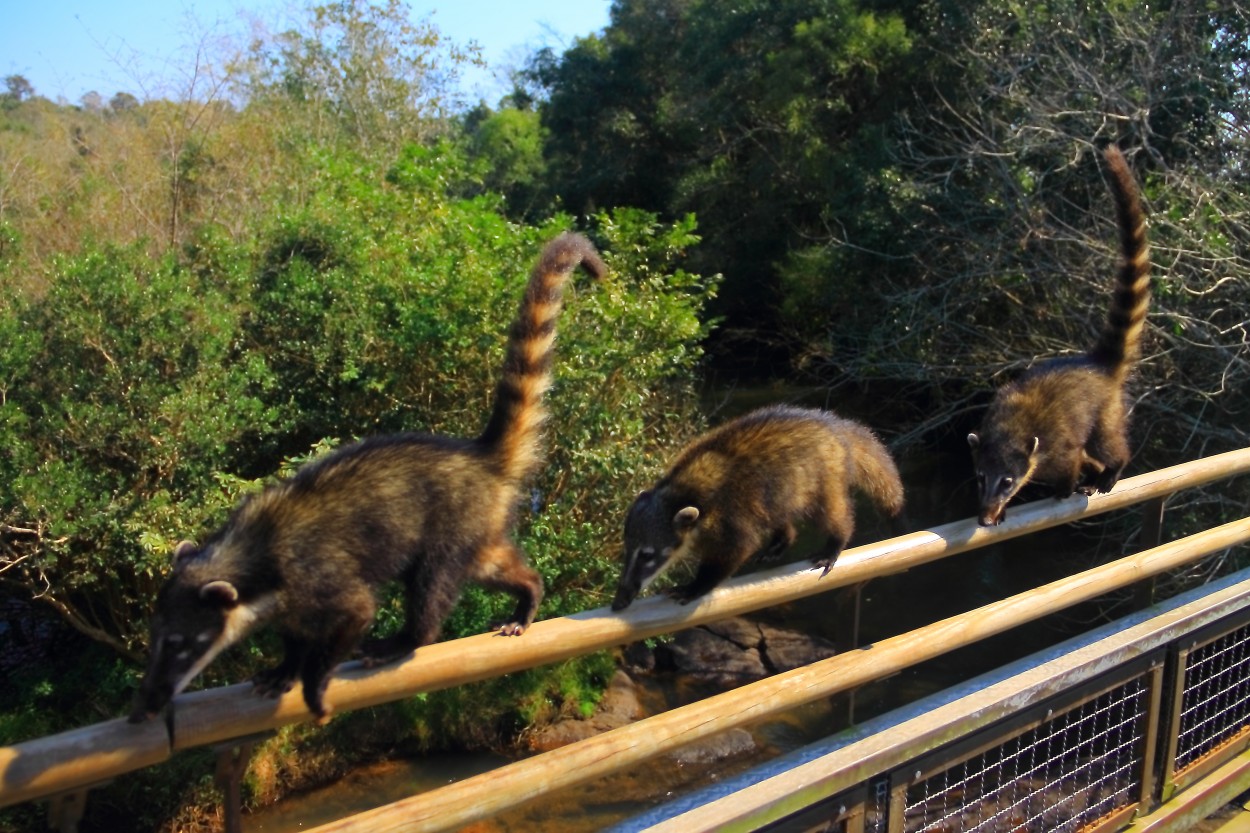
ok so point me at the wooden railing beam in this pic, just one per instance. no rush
(62, 762)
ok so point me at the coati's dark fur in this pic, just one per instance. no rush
(1064, 423)
(309, 553)
(741, 490)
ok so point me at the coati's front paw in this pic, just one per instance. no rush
(1086, 489)
(1106, 481)
(824, 564)
(273, 683)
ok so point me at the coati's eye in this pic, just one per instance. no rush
(1007, 481)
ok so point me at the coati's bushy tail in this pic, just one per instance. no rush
(513, 431)
(875, 473)
(1117, 346)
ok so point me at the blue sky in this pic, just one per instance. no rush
(66, 48)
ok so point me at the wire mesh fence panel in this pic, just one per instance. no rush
(1215, 701)
(1070, 772)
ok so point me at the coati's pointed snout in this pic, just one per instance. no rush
(626, 592)
(150, 700)
(991, 517)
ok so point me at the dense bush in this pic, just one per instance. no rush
(142, 397)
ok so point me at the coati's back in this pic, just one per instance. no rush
(741, 489)
(309, 552)
(1064, 421)
(776, 459)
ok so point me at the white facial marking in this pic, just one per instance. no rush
(239, 621)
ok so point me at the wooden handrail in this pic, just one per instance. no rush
(750, 801)
(483, 796)
(82, 757)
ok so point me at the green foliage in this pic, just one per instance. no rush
(143, 397)
(508, 146)
(358, 72)
(760, 118)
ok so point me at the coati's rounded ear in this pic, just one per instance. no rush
(220, 592)
(685, 518)
(184, 550)
(1033, 447)
(974, 440)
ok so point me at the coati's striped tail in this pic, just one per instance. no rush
(1117, 346)
(513, 432)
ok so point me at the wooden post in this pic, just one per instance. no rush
(1151, 536)
(232, 761)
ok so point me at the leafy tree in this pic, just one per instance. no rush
(123, 102)
(357, 70)
(16, 89)
(1005, 237)
(762, 118)
(508, 144)
(142, 398)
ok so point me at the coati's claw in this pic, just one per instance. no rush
(511, 629)
(826, 563)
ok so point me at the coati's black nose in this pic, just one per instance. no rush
(624, 597)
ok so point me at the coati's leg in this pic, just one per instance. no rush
(1108, 448)
(839, 524)
(431, 587)
(779, 544)
(708, 575)
(276, 681)
(721, 550)
(1070, 468)
(502, 566)
(342, 631)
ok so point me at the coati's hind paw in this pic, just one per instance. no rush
(824, 564)
(375, 652)
(511, 629)
(273, 682)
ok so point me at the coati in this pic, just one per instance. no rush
(741, 489)
(1064, 422)
(309, 553)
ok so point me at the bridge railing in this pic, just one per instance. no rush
(1142, 724)
(73, 761)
